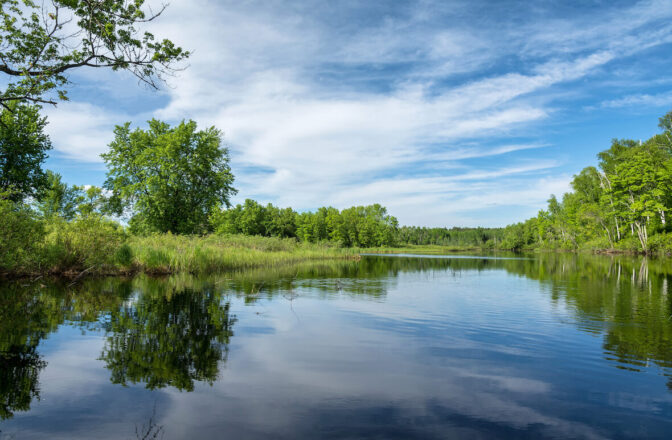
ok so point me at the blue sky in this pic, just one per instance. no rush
(449, 113)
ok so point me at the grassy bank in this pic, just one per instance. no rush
(33, 246)
(94, 245)
(87, 245)
(215, 253)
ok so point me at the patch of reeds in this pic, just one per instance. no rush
(166, 253)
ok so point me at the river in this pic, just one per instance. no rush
(390, 347)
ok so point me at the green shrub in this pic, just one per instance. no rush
(629, 243)
(124, 256)
(596, 244)
(661, 243)
(90, 242)
(20, 237)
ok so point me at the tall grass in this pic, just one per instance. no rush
(96, 245)
(92, 244)
(166, 253)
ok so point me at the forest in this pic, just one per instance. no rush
(621, 204)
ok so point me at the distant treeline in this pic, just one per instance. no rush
(359, 226)
(460, 237)
(621, 204)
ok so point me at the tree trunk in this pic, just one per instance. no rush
(604, 179)
(606, 229)
(618, 230)
(642, 235)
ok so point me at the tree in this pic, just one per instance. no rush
(23, 149)
(642, 182)
(172, 178)
(41, 42)
(593, 209)
(58, 199)
(93, 201)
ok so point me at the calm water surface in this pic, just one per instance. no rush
(547, 346)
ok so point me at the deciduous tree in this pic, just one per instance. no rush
(171, 178)
(41, 42)
(23, 149)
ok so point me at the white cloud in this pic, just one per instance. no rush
(81, 131)
(330, 103)
(641, 100)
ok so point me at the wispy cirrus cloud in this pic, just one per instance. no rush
(338, 103)
(643, 100)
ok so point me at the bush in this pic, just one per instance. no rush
(629, 243)
(20, 236)
(86, 243)
(661, 243)
(596, 244)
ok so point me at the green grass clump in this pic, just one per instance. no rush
(166, 253)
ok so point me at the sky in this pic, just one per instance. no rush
(449, 113)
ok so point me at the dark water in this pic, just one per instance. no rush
(549, 346)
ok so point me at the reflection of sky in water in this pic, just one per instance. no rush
(478, 354)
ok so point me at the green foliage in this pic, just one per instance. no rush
(623, 205)
(23, 149)
(661, 242)
(171, 177)
(456, 237)
(58, 199)
(20, 235)
(359, 226)
(43, 41)
(88, 242)
(520, 235)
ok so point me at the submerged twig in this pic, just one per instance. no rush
(152, 431)
(81, 274)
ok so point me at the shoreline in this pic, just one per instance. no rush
(168, 255)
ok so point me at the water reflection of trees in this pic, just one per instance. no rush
(155, 334)
(175, 331)
(171, 331)
(19, 361)
(627, 297)
(29, 312)
(172, 338)
(624, 298)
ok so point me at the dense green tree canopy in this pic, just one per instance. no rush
(172, 178)
(23, 149)
(362, 226)
(623, 204)
(42, 41)
(470, 237)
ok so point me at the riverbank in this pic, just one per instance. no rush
(444, 250)
(93, 254)
(80, 249)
